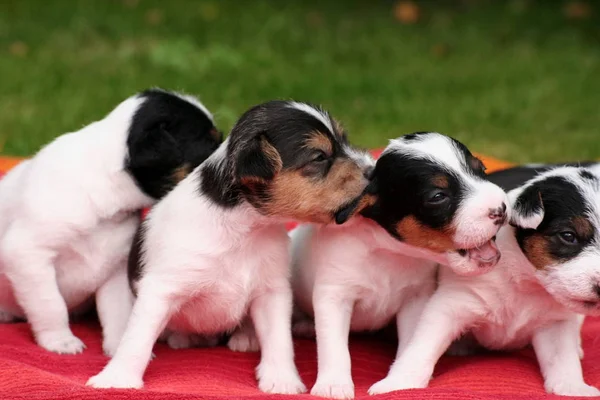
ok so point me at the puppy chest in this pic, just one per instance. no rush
(513, 328)
(215, 311)
(385, 290)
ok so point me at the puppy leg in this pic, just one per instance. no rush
(557, 350)
(272, 317)
(406, 321)
(32, 275)
(443, 320)
(333, 312)
(114, 302)
(148, 318)
(244, 338)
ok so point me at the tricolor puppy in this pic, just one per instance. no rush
(430, 193)
(69, 214)
(215, 249)
(547, 280)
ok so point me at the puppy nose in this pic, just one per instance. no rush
(498, 214)
(368, 172)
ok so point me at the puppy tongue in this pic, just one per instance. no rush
(487, 252)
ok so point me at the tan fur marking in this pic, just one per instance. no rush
(272, 154)
(320, 141)
(414, 233)
(181, 172)
(314, 200)
(583, 227)
(440, 181)
(536, 249)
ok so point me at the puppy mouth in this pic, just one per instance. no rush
(486, 254)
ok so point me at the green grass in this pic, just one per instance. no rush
(514, 79)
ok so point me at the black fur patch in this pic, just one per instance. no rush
(403, 185)
(563, 206)
(167, 133)
(512, 178)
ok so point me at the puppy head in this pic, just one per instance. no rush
(293, 160)
(557, 226)
(169, 135)
(429, 191)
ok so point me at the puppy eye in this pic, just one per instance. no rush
(568, 237)
(437, 198)
(319, 157)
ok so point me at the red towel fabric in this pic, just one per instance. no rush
(29, 372)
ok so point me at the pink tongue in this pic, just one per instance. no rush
(486, 252)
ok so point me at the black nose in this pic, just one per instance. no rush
(597, 289)
(368, 173)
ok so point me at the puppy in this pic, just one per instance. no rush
(68, 215)
(428, 199)
(215, 249)
(547, 280)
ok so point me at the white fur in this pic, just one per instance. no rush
(68, 216)
(204, 277)
(358, 278)
(318, 114)
(355, 278)
(512, 306)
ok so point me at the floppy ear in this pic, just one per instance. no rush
(527, 207)
(257, 163)
(153, 157)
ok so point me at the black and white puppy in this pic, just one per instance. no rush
(69, 214)
(432, 196)
(547, 281)
(215, 250)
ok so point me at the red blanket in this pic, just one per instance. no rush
(29, 372)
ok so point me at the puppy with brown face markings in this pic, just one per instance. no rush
(547, 281)
(431, 196)
(215, 250)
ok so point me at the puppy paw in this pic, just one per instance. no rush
(572, 389)
(333, 389)
(63, 342)
(243, 340)
(112, 378)
(280, 381)
(304, 329)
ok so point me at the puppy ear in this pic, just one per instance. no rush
(154, 158)
(527, 208)
(257, 163)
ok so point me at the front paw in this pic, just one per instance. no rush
(572, 389)
(334, 388)
(280, 381)
(111, 378)
(63, 342)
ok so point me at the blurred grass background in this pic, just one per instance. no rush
(515, 79)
